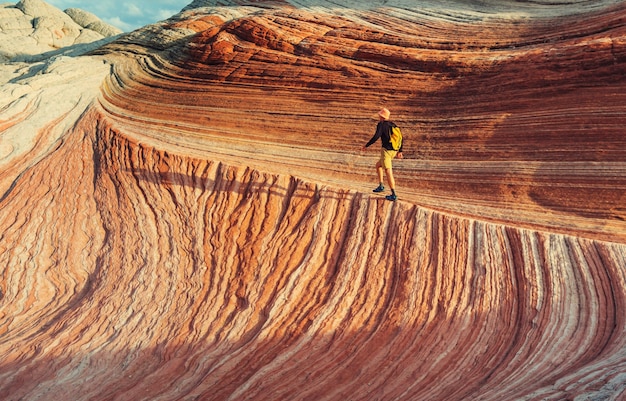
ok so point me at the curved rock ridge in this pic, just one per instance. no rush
(269, 287)
(32, 27)
(470, 94)
(196, 220)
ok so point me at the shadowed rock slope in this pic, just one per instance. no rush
(195, 219)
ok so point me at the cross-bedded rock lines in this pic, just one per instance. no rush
(201, 226)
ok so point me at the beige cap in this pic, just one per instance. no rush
(384, 113)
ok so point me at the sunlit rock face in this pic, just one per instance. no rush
(187, 213)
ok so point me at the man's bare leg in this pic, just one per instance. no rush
(379, 169)
(390, 179)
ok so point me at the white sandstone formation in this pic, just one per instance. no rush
(33, 27)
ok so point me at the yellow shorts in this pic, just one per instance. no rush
(386, 156)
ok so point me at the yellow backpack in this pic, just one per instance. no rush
(395, 138)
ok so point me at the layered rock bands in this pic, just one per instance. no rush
(195, 220)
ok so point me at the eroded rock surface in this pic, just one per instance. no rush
(197, 222)
(32, 27)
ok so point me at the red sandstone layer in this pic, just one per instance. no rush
(206, 228)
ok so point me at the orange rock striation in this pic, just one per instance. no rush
(201, 224)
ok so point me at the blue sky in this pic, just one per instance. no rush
(126, 14)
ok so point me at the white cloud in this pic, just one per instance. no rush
(133, 11)
(118, 23)
(164, 14)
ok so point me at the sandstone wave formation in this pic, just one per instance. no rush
(186, 214)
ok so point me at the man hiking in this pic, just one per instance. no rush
(385, 131)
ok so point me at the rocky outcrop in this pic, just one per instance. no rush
(91, 22)
(196, 221)
(33, 27)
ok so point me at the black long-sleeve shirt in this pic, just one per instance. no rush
(383, 131)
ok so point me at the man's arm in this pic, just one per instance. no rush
(376, 136)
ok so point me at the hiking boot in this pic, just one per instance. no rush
(392, 197)
(379, 188)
